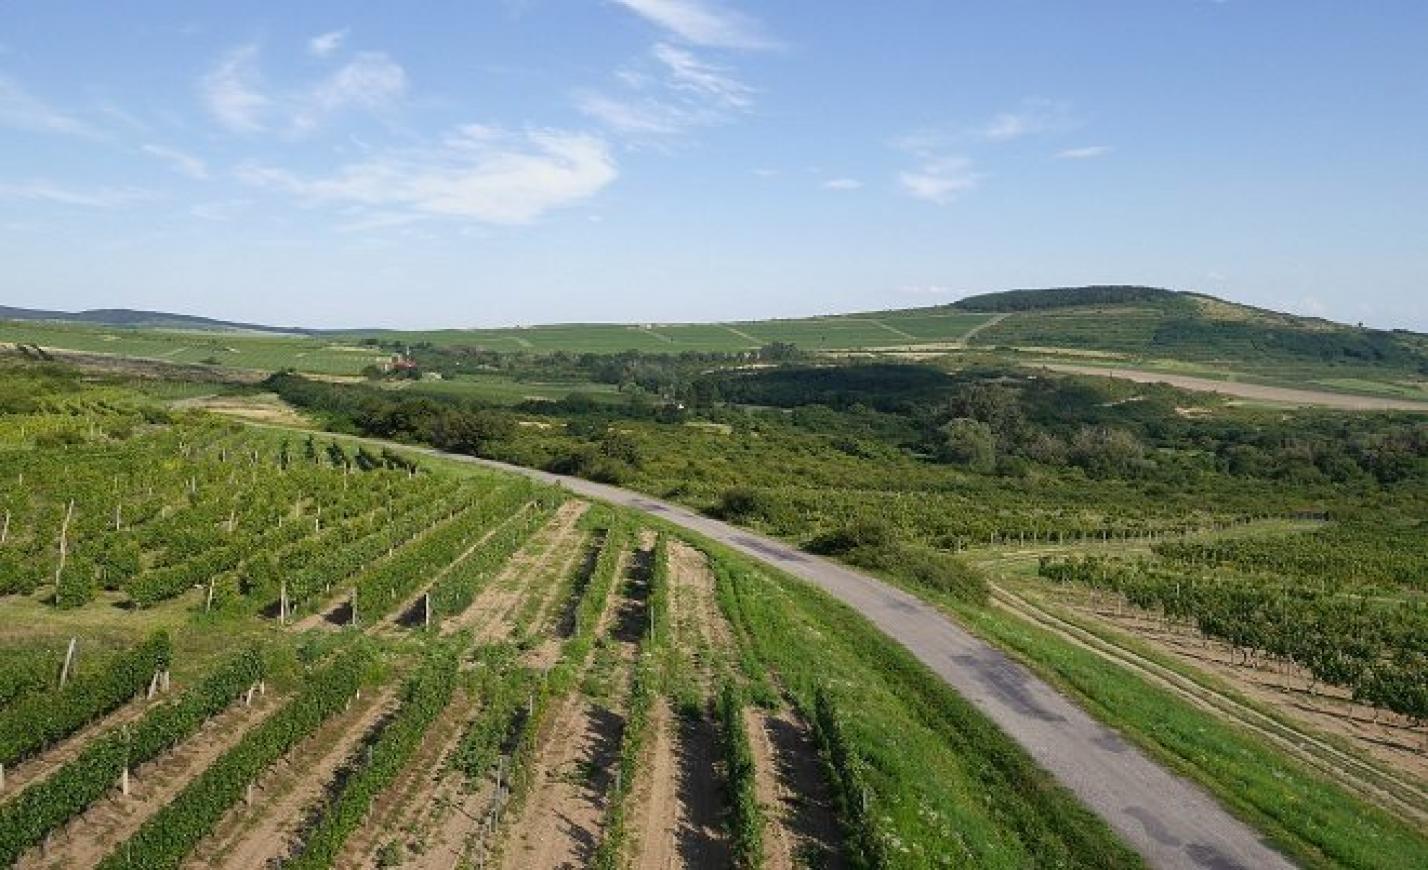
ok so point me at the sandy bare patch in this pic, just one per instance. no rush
(1253, 392)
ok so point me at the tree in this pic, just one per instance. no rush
(969, 443)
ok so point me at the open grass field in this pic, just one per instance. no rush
(226, 349)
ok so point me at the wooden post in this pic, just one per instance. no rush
(248, 701)
(354, 605)
(124, 781)
(208, 605)
(5, 529)
(153, 685)
(427, 609)
(164, 681)
(2, 777)
(68, 662)
(64, 539)
(283, 604)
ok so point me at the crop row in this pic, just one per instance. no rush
(171, 833)
(38, 720)
(1378, 650)
(424, 697)
(69, 791)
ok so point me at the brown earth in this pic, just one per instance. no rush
(561, 824)
(1253, 392)
(253, 836)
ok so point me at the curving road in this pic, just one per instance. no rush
(1172, 822)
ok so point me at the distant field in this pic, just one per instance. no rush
(228, 349)
(338, 353)
(893, 329)
(504, 390)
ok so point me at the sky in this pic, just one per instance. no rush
(497, 162)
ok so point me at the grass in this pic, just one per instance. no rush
(944, 783)
(229, 349)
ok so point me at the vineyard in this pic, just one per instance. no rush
(232, 646)
(236, 647)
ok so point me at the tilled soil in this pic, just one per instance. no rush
(252, 836)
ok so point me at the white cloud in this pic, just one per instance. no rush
(480, 175)
(182, 162)
(687, 93)
(372, 81)
(842, 184)
(692, 75)
(703, 23)
(1084, 153)
(324, 44)
(234, 94)
(939, 180)
(101, 197)
(22, 111)
(231, 91)
(1032, 117)
(644, 117)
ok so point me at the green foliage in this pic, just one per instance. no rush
(73, 788)
(170, 834)
(38, 720)
(425, 695)
(746, 820)
(1377, 649)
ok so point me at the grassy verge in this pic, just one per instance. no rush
(935, 780)
(1305, 814)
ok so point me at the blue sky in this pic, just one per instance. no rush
(480, 163)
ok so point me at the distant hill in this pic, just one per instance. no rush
(1127, 325)
(1156, 323)
(129, 317)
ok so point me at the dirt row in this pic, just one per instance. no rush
(561, 824)
(257, 834)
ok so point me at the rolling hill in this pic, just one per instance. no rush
(1137, 327)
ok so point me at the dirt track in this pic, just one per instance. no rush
(1254, 392)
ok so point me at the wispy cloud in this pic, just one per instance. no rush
(20, 110)
(940, 179)
(1032, 117)
(219, 210)
(325, 44)
(1086, 152)
(703, 23)
(842, 184)
(478, 173)
(703, 80)
(181, 162)
(234, 92)
(231, 91)
(676, 93)
(39, 190)
(371, 80)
